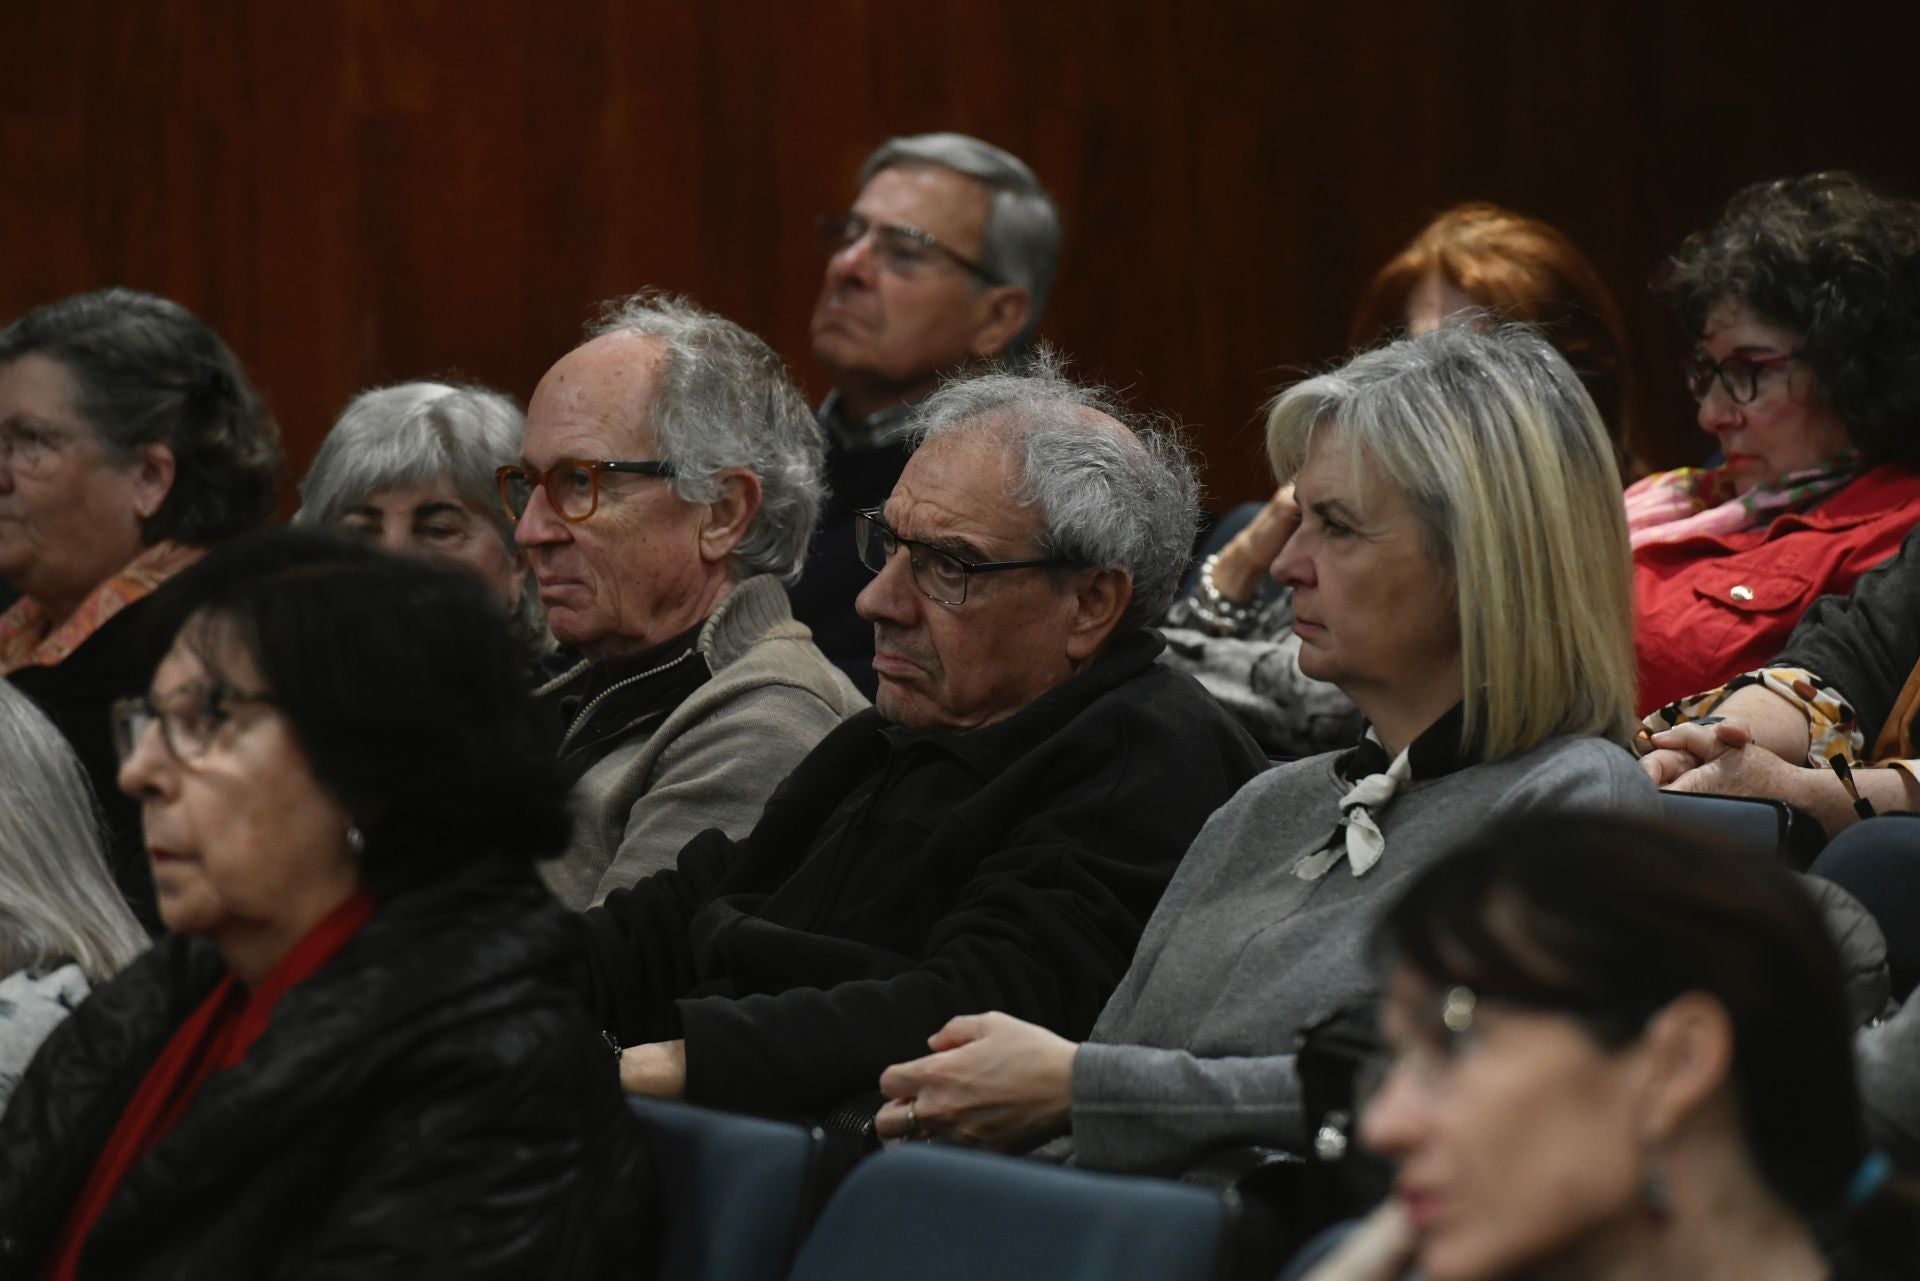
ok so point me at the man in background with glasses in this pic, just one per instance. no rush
(943, 262)
(669, 483)
(996, 831)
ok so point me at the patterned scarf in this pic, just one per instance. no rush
(28, 637)
(1704, 502)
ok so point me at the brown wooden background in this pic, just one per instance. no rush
(359, 191)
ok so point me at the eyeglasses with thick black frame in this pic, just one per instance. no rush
(1739, 374)
(192, 716)
(899, 247)
(941, 576)
(572, 484)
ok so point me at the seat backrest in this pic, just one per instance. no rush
(736, 1192)
(1756, 822)
(943, 1214)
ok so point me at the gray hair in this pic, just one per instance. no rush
(58, 903)
(420, 433)
(1021, 242)
(147, 371)
(1498, 449)
(723, 400)
(1123, 499)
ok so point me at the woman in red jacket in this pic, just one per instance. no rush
(1804, 302)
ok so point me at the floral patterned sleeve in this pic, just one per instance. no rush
(1833, 729)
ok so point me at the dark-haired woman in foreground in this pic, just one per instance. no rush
(1620, 1053)
(355, 1055)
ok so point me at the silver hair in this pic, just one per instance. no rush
(1498, 449)
(420, 433)
(1021, 242)
(58, 904)
(722, 401)
(1110, 499)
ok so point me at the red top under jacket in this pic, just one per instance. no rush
(215, 1036)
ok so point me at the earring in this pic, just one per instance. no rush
(356, 840)
(1654, 1194)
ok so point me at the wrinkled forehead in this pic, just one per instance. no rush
(947, 204)
(597, 401)
(41, 388)
(964, 488)
(1336, 466)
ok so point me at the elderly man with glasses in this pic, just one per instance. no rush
(943, 262)
(669, 483)
(996, 831)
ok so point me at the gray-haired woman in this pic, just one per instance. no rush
(411, 467)
(63, 926)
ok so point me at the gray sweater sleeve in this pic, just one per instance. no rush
(1138, 1107)
(1866, 644)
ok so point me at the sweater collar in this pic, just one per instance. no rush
(1435, 753)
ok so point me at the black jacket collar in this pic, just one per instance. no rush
(1437, 752)
(991, 748)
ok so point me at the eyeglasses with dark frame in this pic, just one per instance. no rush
(941, 576)
(193, 715)
(1739, 374)
(901, 248)
(572, 484)
(26, 446)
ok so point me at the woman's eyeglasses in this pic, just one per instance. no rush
(189, 718)
(1740, 375)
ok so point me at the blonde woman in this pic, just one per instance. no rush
(1495, 670)
(64, 929)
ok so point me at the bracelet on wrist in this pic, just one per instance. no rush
(1214, 610)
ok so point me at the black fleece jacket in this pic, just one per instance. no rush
(899, 878)
(430, 1103)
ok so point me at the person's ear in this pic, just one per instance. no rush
(1098, 602)
(152, 471)
(1686, 1059)
(728, 515)
(1004, 311)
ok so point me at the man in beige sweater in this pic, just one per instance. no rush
(670, 481)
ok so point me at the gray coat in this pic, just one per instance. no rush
(1195, 1049)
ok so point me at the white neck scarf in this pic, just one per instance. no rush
(1358, 838)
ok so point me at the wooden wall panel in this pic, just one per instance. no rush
(358, 191)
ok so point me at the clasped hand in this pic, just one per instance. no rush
(992, 1081)
(1719, 758)
(1679, 751)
